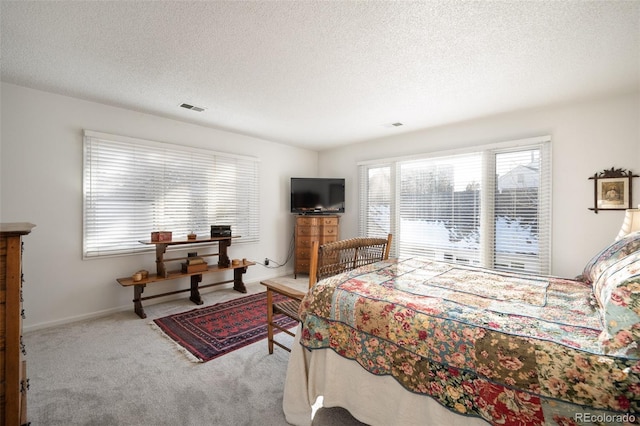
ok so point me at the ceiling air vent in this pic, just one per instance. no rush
(192, 108)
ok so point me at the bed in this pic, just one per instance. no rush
(416, 341)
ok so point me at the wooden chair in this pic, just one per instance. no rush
(326, 260)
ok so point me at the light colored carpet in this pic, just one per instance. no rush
(117, 370)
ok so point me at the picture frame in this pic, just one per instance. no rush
(613, 193)
(612, 190)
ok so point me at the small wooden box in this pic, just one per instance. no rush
(189, 269)
(160, 236)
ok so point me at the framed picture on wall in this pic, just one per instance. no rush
(613, 193)
(612, 190)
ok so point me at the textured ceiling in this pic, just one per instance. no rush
(318, 74)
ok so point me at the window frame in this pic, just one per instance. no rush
(133, 156)
(487, 238)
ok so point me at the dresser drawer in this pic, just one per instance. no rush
(302, 265)
(329, 221)
(328, 231)
(303, 231)
(308, 221)
(303, 252)
(304, 243)
(329, 239)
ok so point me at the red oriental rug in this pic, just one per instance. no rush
(210, 332)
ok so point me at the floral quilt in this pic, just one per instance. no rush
(512, 349)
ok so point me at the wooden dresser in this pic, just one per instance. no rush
(323, 228)
(13, 381)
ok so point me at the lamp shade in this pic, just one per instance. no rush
(630, 224)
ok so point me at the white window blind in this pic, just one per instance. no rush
(375, 195)
(522, 209)
(487, 207)
(133, 187)
(439, 207)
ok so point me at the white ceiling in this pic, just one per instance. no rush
(318, 74)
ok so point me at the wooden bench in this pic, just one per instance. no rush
(163, 274)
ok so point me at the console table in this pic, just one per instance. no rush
(163, 274)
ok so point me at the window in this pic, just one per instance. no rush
(133, 187)
(486, 207)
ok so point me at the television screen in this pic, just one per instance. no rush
(317, 195)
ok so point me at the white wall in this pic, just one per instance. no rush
(587, 137)
(41, 182)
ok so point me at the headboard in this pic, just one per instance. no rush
(333, 258)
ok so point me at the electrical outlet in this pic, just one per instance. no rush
(266, 261)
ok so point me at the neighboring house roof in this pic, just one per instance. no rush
(520, 177)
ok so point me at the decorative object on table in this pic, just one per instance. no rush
(140, 275)
(612, 189)
(631, 223)
(207, 333)
(220, 231)
(194, 264)
(159, 236)
(191, 236)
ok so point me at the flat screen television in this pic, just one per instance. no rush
(317, 195)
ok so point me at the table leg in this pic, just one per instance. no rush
(238, 285)
(195, 291)
(137, 300)
(223, 257)
(160, 268)
(270, 320)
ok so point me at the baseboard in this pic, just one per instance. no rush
(69, 320)
(128, 307)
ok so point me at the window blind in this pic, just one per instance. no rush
(522, 209)
(489, 206)
(133, 187)
(375, 201)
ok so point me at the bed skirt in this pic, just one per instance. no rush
(374, 400)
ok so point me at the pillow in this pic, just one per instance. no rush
(617, 291)
(610, 255)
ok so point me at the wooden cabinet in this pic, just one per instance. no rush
(323, 229)
(13, 381)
